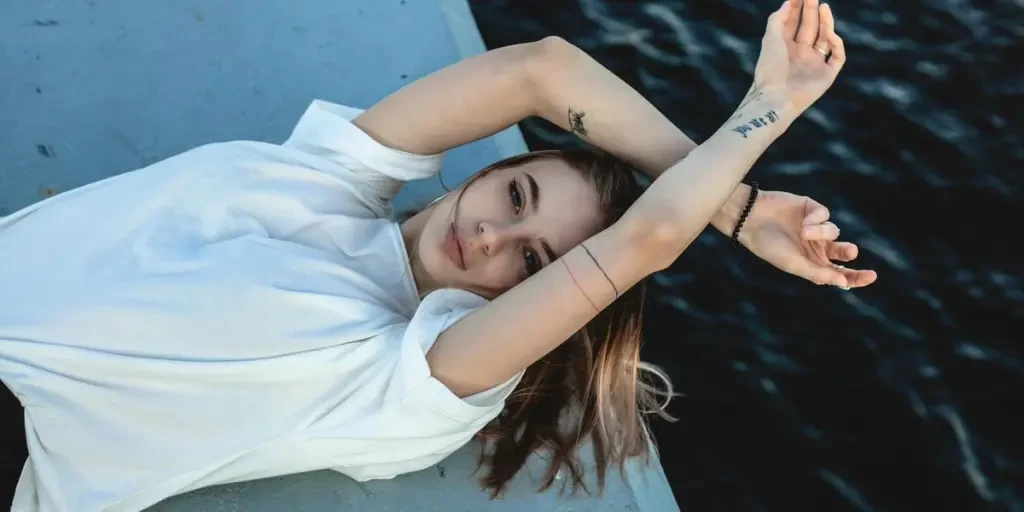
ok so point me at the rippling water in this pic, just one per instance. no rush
(901, 396)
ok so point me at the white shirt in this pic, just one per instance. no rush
(240, 311)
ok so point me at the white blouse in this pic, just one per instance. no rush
(240, 311)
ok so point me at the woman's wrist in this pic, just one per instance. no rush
(764, 114)
(728, 215)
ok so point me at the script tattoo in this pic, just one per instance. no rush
(753, 94)
(756, 122)
(576, 122)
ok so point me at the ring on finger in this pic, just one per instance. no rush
(840, 268)
(824, 53)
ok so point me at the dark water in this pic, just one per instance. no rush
(906, 395)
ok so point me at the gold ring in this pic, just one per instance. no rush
(822, 51)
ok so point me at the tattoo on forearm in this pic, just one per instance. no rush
(756, 122)
(752, 95)
(576, 122)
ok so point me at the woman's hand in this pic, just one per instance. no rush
(801, 55)
(793, 233)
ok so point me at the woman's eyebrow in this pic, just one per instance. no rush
(534, 192)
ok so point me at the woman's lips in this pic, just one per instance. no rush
(453, 248)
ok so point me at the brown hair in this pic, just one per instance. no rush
(594, 386)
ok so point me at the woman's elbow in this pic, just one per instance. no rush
(546, 60)
(555, 49)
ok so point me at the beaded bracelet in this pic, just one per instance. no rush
(746, 212)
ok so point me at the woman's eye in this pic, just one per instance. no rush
(531, 260)
(517, 200)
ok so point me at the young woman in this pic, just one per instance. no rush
(245, 310)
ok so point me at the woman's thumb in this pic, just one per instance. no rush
(777, 19)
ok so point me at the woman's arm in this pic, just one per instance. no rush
(515, 330)
(629, 126)
(522, 325)
(466, 101)
(550, 78)
(485, 94)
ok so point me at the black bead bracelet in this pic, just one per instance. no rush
(746, 211)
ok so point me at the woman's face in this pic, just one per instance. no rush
(510, 223)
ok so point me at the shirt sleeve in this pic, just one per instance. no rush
(438, 311)
(326, 131)
(423, 422)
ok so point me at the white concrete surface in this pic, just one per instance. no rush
(92, 88)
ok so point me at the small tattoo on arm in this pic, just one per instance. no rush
(752, 95)
(576, 122)
(757, 122)
(743, 130)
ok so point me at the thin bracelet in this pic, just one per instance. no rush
(580, 288)
(746, 212)
(601, 269)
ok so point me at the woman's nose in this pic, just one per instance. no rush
(493, 237)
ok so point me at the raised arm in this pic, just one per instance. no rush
(485, 94)
(522, 325)
(490, 92)
(550, 78)
(515, 330)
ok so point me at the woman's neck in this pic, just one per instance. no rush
(412, 229)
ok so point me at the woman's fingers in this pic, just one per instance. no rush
(793, 19)
(820, 274)
(814, 212)
(779, 20)
(838, 57)
(826, 26)
(835, 42)
(808, 30)
(835, 275)
(841, 251)
(857, 278)
(823, 231)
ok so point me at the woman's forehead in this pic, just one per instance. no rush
(555, 174)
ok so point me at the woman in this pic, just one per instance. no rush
(245, 310)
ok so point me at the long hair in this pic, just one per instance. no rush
(592, 387)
